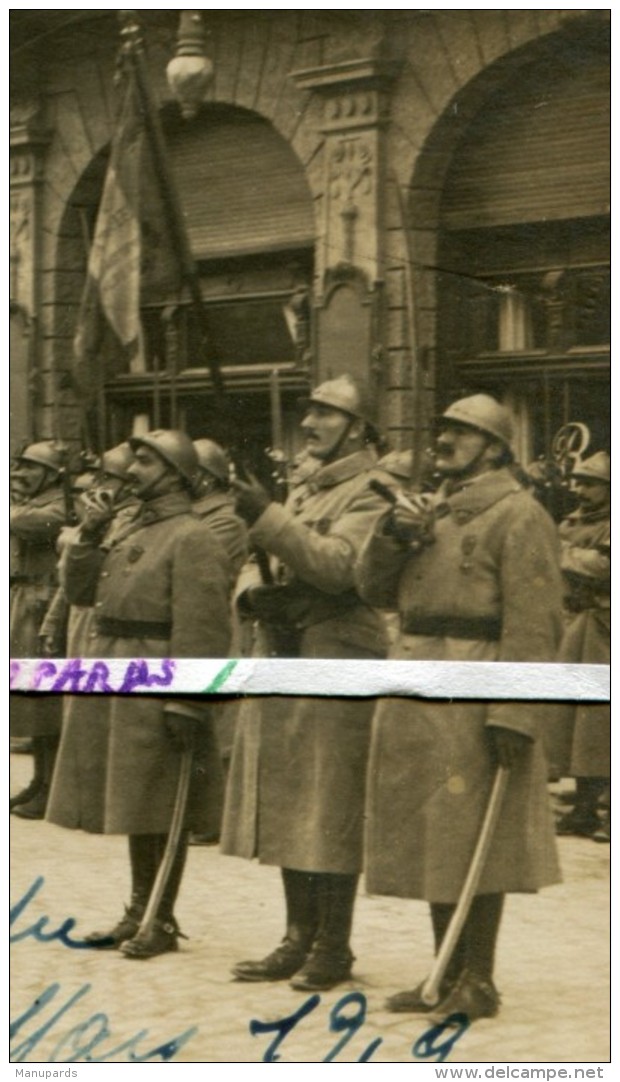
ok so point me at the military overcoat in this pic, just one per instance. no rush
(494, 567)
(35, 526)
(217, 511)
(74, 621)
(295, 796)
(580, 744)
(159, 590)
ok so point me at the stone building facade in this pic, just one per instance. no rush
(420, 198)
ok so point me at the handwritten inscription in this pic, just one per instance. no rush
(90, 1040)
(434, 1045)
(82, 1042)
(39, 931)
(84, 675)
(92, 675)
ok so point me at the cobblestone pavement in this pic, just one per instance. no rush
(552, 967)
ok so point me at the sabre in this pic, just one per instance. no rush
(430, 991)
(172, 845)
(397, 498)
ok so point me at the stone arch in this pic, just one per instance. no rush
(422, 168)
(253, 61)
(76, 223)
(432, 163)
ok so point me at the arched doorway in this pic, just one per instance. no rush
(513, 186)
(249, 218)
(524, 285)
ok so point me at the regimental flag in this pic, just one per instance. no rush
(111, 298)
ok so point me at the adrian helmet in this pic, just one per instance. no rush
(174, 447)
(213, 459)
(49, 453)
(117, 461)
(345, 394)
(595, 468)
(484, 413)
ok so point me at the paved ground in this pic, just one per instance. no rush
(552, 966)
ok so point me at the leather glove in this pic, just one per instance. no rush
(251, 499)
(413, 526)
(98, 511)
(182, 731)
(50, 646)
(507, 746)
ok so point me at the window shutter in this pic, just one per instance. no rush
(242, 188)
(539, 152)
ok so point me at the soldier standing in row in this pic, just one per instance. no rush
(107, 495)
(159, 587)
(296, 787)
(586, 572)
(77, 787)
(38, 513)
(215, 505)
(487, 588)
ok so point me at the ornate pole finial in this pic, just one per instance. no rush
(190, 70)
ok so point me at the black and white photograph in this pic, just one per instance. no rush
(310, 366)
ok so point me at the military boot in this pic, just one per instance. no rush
(144, 861)
(302, 919)
(474, 995)
(330, 959)
(411, 1001)
(32, 801)
(603, 830)
(164, 933)
(583, 820)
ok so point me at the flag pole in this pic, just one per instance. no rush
(418, 389)
(133, 49)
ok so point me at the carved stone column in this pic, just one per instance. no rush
(28, 141)
(349, 254)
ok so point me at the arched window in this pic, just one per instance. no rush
(248, 215)
(524, 249)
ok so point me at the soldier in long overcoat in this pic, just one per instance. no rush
(295, 796)
(38, 513)
(106, 492)
(215, 505)
(487, 588)
(159, 587)
(586, 571)
(56, 630)
(77, 791)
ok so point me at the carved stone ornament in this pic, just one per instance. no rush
(345, 274)
(20, 218)
(350, 169)
(355, 92)
(28, 139)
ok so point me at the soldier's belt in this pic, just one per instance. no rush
(297, 605)
(488, 628)
(31, 580)
(132, 629)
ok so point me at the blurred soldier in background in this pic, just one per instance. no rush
(586, 571)
(39, 510)
(215, 505)
(105, 492)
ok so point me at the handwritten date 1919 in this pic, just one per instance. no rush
(434, 1045)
